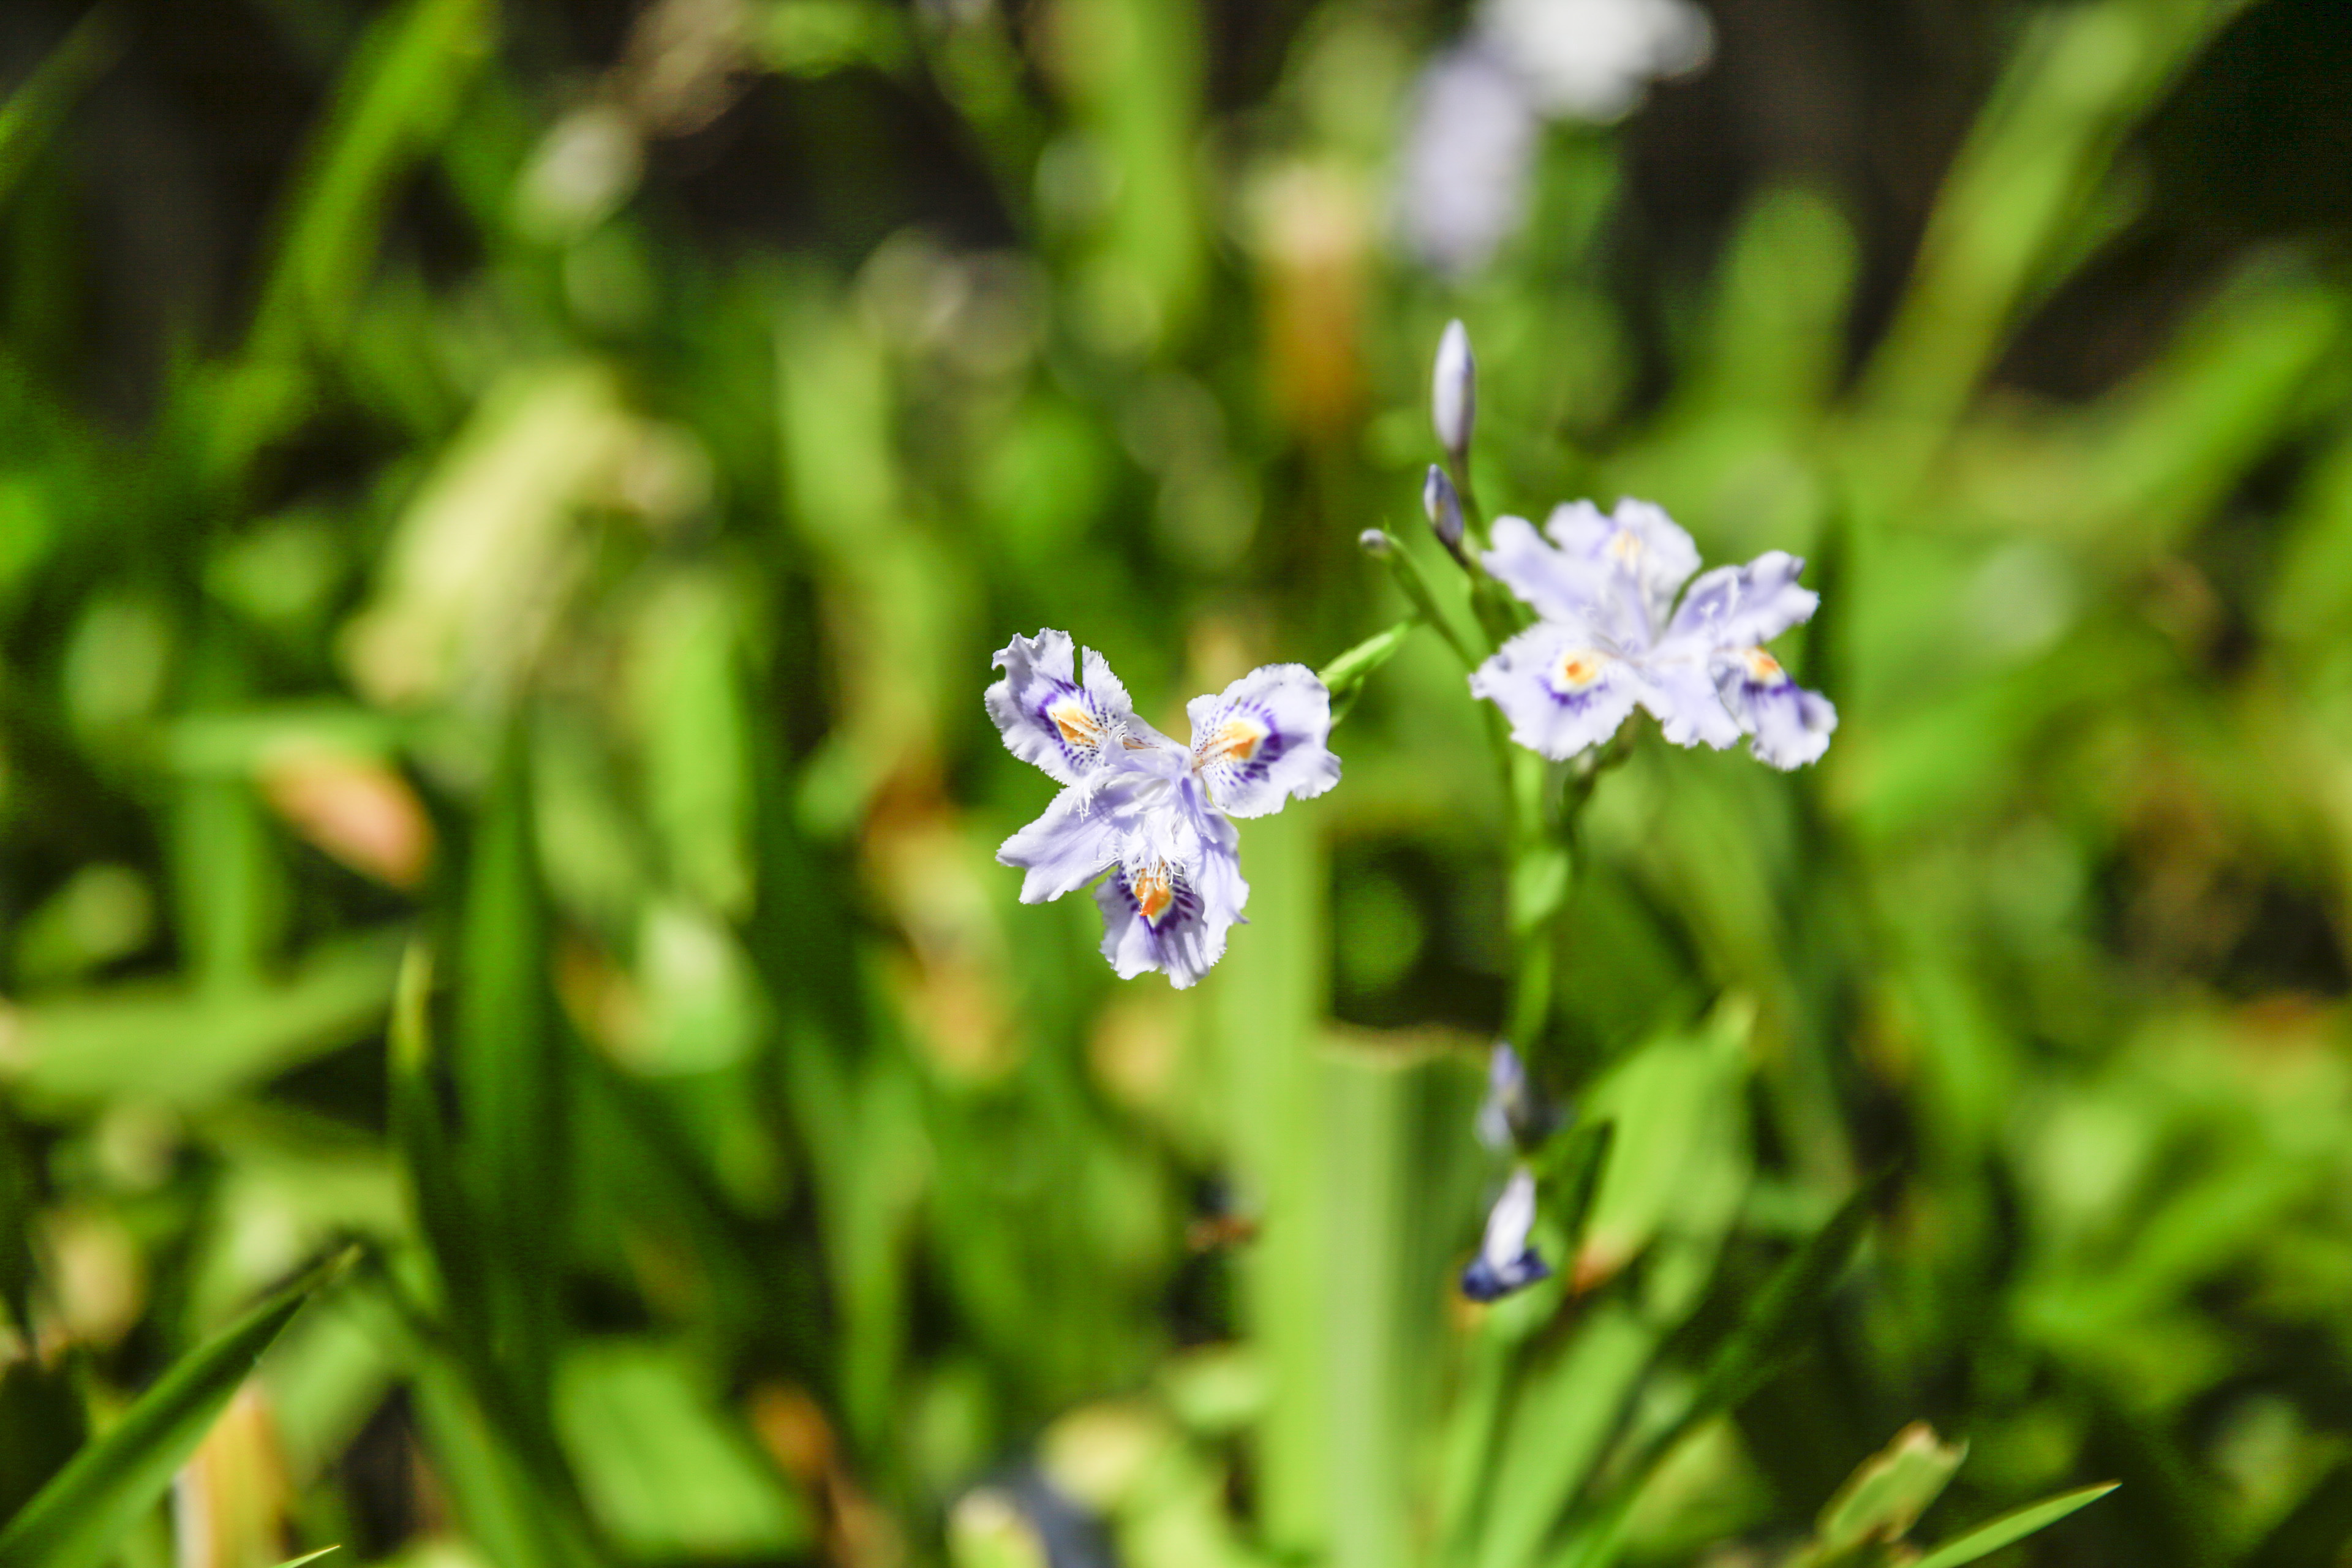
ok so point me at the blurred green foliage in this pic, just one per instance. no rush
(597, 617)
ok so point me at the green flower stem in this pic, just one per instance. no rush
(1345, 676)
(1408, 573)
(1539, 878)
(1545, 845)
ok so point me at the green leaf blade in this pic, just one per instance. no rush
(1989, 1537)
(76, 1519)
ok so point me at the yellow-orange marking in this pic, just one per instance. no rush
(1579, 669)
(1235, 741)
(1625, 545)
(1154, 891)
(1077, 726)
(1762, 665)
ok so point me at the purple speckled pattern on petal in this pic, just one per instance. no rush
(1263, 739)
(1048, 716)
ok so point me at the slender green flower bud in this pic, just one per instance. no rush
(1445, 508)
(1453, 393)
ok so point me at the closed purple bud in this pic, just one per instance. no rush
(1444, 507)
(1376, 543)
(1454, 392)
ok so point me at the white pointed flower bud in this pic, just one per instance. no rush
(1454, 392)
(1445, 508)
(1376, 543)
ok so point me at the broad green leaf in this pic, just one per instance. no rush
(76, 1519)
(1986, 1539)
(1890, 1491)
(1569, 1170)
(86, 1049)
(1568, 1407)
(686, 702)
(665, 1473)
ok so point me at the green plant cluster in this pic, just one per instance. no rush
(496, 825)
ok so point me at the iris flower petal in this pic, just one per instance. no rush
(1505, 1262)
(1789, 726)
(1739, 606)
(1263, 739)
(1080, 836)
(1561, 691)
(1047, 716)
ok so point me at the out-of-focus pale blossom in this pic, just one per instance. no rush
(1463, 184)
(1594, 59)
(1481, 104)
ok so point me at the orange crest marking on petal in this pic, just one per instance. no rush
(1077, 726)
(1154, 891)
(1762, 665)
(1234, 740)
(1579, 669)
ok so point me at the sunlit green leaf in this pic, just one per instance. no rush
(1986, 1539)
(76, 1519)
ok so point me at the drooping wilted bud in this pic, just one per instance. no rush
(1376, 543)
(1454, 392)
(1505, 1262)
(1445, 508)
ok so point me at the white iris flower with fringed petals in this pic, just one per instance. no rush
(1155, 816)
(1610, 638)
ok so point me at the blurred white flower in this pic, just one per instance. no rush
(1479, 105)
(1594, 60)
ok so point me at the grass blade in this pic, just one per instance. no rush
(310, 1556)
(1784, 1309)
(76, 1519)
(1986, 1539)
(32, 113)
(506, 1058)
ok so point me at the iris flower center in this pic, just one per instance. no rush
(1154, 887)
(1579, 669)
(1234, 740)
(1077, 726)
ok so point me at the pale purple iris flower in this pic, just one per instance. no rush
(1610, 638)
(1156, 815)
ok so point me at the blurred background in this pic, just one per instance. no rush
(543, 481)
